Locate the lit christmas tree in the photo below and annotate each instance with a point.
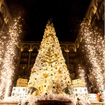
(49, 73)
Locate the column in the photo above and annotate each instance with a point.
(29, 58)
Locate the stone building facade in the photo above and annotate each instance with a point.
(5, 16)
(95, 15)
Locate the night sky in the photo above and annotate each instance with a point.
(66, 16)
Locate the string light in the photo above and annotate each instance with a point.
(95, 52)
(9, 65)
(2, 51)
(81, 72)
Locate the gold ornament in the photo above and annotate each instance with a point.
(35, 93)
(65, 66)
(45, 75)
(55, 55)
(39, 88)
(60, 71)
(44, 61)
(32, 72)
(57, 85)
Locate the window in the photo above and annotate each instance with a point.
(35, 50)
(71, 55)
(63, 50)
(24, 54)
(26, 49)
(33, 54)
(71, 50)
(32, 60)
(70, 60)
(24, 59)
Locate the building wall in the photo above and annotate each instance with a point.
(5, 16)
(29, 51)
(95, 15)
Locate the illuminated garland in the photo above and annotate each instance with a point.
(95, 52)
(9, 66)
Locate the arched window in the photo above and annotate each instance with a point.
(35, 50)
(71, 48)
(25, 52)
(26, 48)
(63, 48)
(3, 10)
(34, 54)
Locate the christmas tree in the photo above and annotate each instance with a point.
(49, 73)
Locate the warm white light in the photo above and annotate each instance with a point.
(8, 56)
(81, 72)
(94, 46)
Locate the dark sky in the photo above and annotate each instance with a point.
(66, 16)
